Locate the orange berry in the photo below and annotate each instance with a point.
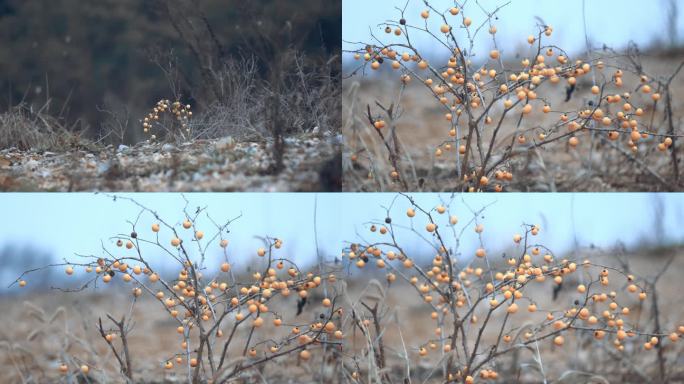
(513, 308)
(258, 322)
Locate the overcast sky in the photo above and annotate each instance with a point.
(69, 223)
(613, 22)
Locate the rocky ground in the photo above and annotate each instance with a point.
(311, 163)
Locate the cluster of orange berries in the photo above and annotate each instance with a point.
(180, 112)
(254, 299)
(107, 269)
(190, 299)
(600, 311)
(64, 369)
(459, 85)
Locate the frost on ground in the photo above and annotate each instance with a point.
(310, 163)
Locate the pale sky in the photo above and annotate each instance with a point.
(613, 22)
(600, 219)
(68, 223)
(64, 224)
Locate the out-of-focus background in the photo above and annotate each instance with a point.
(91, 57)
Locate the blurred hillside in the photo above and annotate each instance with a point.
(77, 59)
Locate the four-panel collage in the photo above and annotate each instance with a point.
(341, 191)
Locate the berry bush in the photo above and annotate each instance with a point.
(614, 118)
(422, 295)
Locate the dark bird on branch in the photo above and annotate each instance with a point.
(568, 92)
(300, 305)
(556, 290)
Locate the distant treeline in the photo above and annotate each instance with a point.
(89, 56)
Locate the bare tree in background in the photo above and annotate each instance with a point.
(672, 15)
(195, 31)
(659, 212)
(15, 257)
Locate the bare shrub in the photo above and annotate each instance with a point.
(311, 96)
(240, 109)
(21, 132)
(22, 129)
(307, 100)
